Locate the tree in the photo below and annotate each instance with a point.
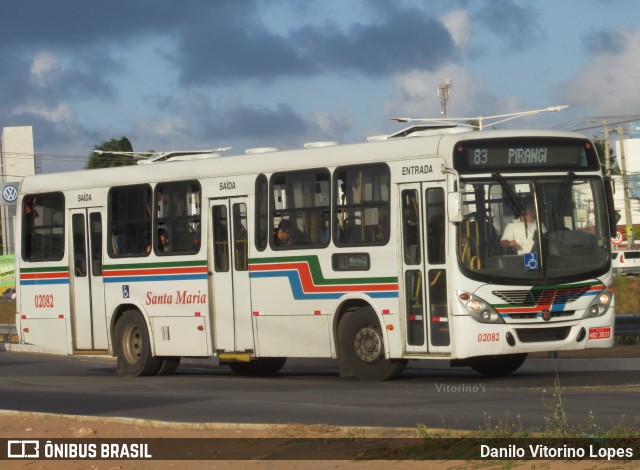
(475, 123)
(111, 153)
(599, 144)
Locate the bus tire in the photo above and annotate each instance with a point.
(362, 347)
(263, 366)
(133, 347)
(497, 366)
(169, 365)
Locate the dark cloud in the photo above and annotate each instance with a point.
(604, 42)
(81, 77)
(241, 48)
(517, 25)
(229, 122)
(77, 24)
(226, 40)
(262, 122)
(405, 39)
(234, 48)
(14, 85)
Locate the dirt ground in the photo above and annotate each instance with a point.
(251, 447)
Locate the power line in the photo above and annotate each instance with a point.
(596, 122)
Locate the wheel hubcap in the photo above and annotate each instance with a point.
(368, 344)
(132, 344)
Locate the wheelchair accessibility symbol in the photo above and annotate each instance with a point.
(531, 261)
(125, 291)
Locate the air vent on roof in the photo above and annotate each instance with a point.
(183, 155)
(315, 145)
(257, 150)
(423, 130)
(416, 131)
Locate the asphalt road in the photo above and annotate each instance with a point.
(310, 392)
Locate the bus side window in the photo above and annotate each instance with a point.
(262, 213)
(129, 217)
(300, 205)
(43, 237)
(361, 197)
(177, 220)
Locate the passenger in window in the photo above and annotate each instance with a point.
(196, 240)
(164, 245)
(283, 234)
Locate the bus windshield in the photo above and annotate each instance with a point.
(533, 230)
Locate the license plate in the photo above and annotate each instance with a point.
(600, 333)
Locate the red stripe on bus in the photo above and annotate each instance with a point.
(148, 271)
(52, 275)
(306, 280)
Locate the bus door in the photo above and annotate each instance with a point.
(424, 274)
(87, 289)
(228, 264)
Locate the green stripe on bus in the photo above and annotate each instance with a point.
(45, 269)
(168, 264)
(316, 271)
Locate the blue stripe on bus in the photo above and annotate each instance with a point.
(298, 293)
(177, 277)
(32, 282)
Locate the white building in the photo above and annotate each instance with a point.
(632, 163)
(16, 162)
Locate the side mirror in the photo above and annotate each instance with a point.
(454, 207)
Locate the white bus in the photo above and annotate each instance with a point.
(372, 254)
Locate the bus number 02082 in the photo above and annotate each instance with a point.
(486, 337)
(43, 301)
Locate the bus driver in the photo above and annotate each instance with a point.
(519, 233)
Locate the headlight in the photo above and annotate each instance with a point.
(479, 310)
(600, 304)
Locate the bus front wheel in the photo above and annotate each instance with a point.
(133, 348)
(362, 347)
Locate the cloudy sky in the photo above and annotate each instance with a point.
(198, 74)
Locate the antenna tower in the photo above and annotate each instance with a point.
(443, 92)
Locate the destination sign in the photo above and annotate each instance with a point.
(519, 155)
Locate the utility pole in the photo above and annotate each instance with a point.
(443, 92)
(607, 152)
(626, 190)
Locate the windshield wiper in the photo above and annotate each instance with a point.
(563, 197)
(516, 204)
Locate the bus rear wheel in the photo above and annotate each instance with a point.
(133, 347)
(362, 347)
(263, 366)
(497, 366)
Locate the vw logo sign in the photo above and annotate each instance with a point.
(10, 193)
